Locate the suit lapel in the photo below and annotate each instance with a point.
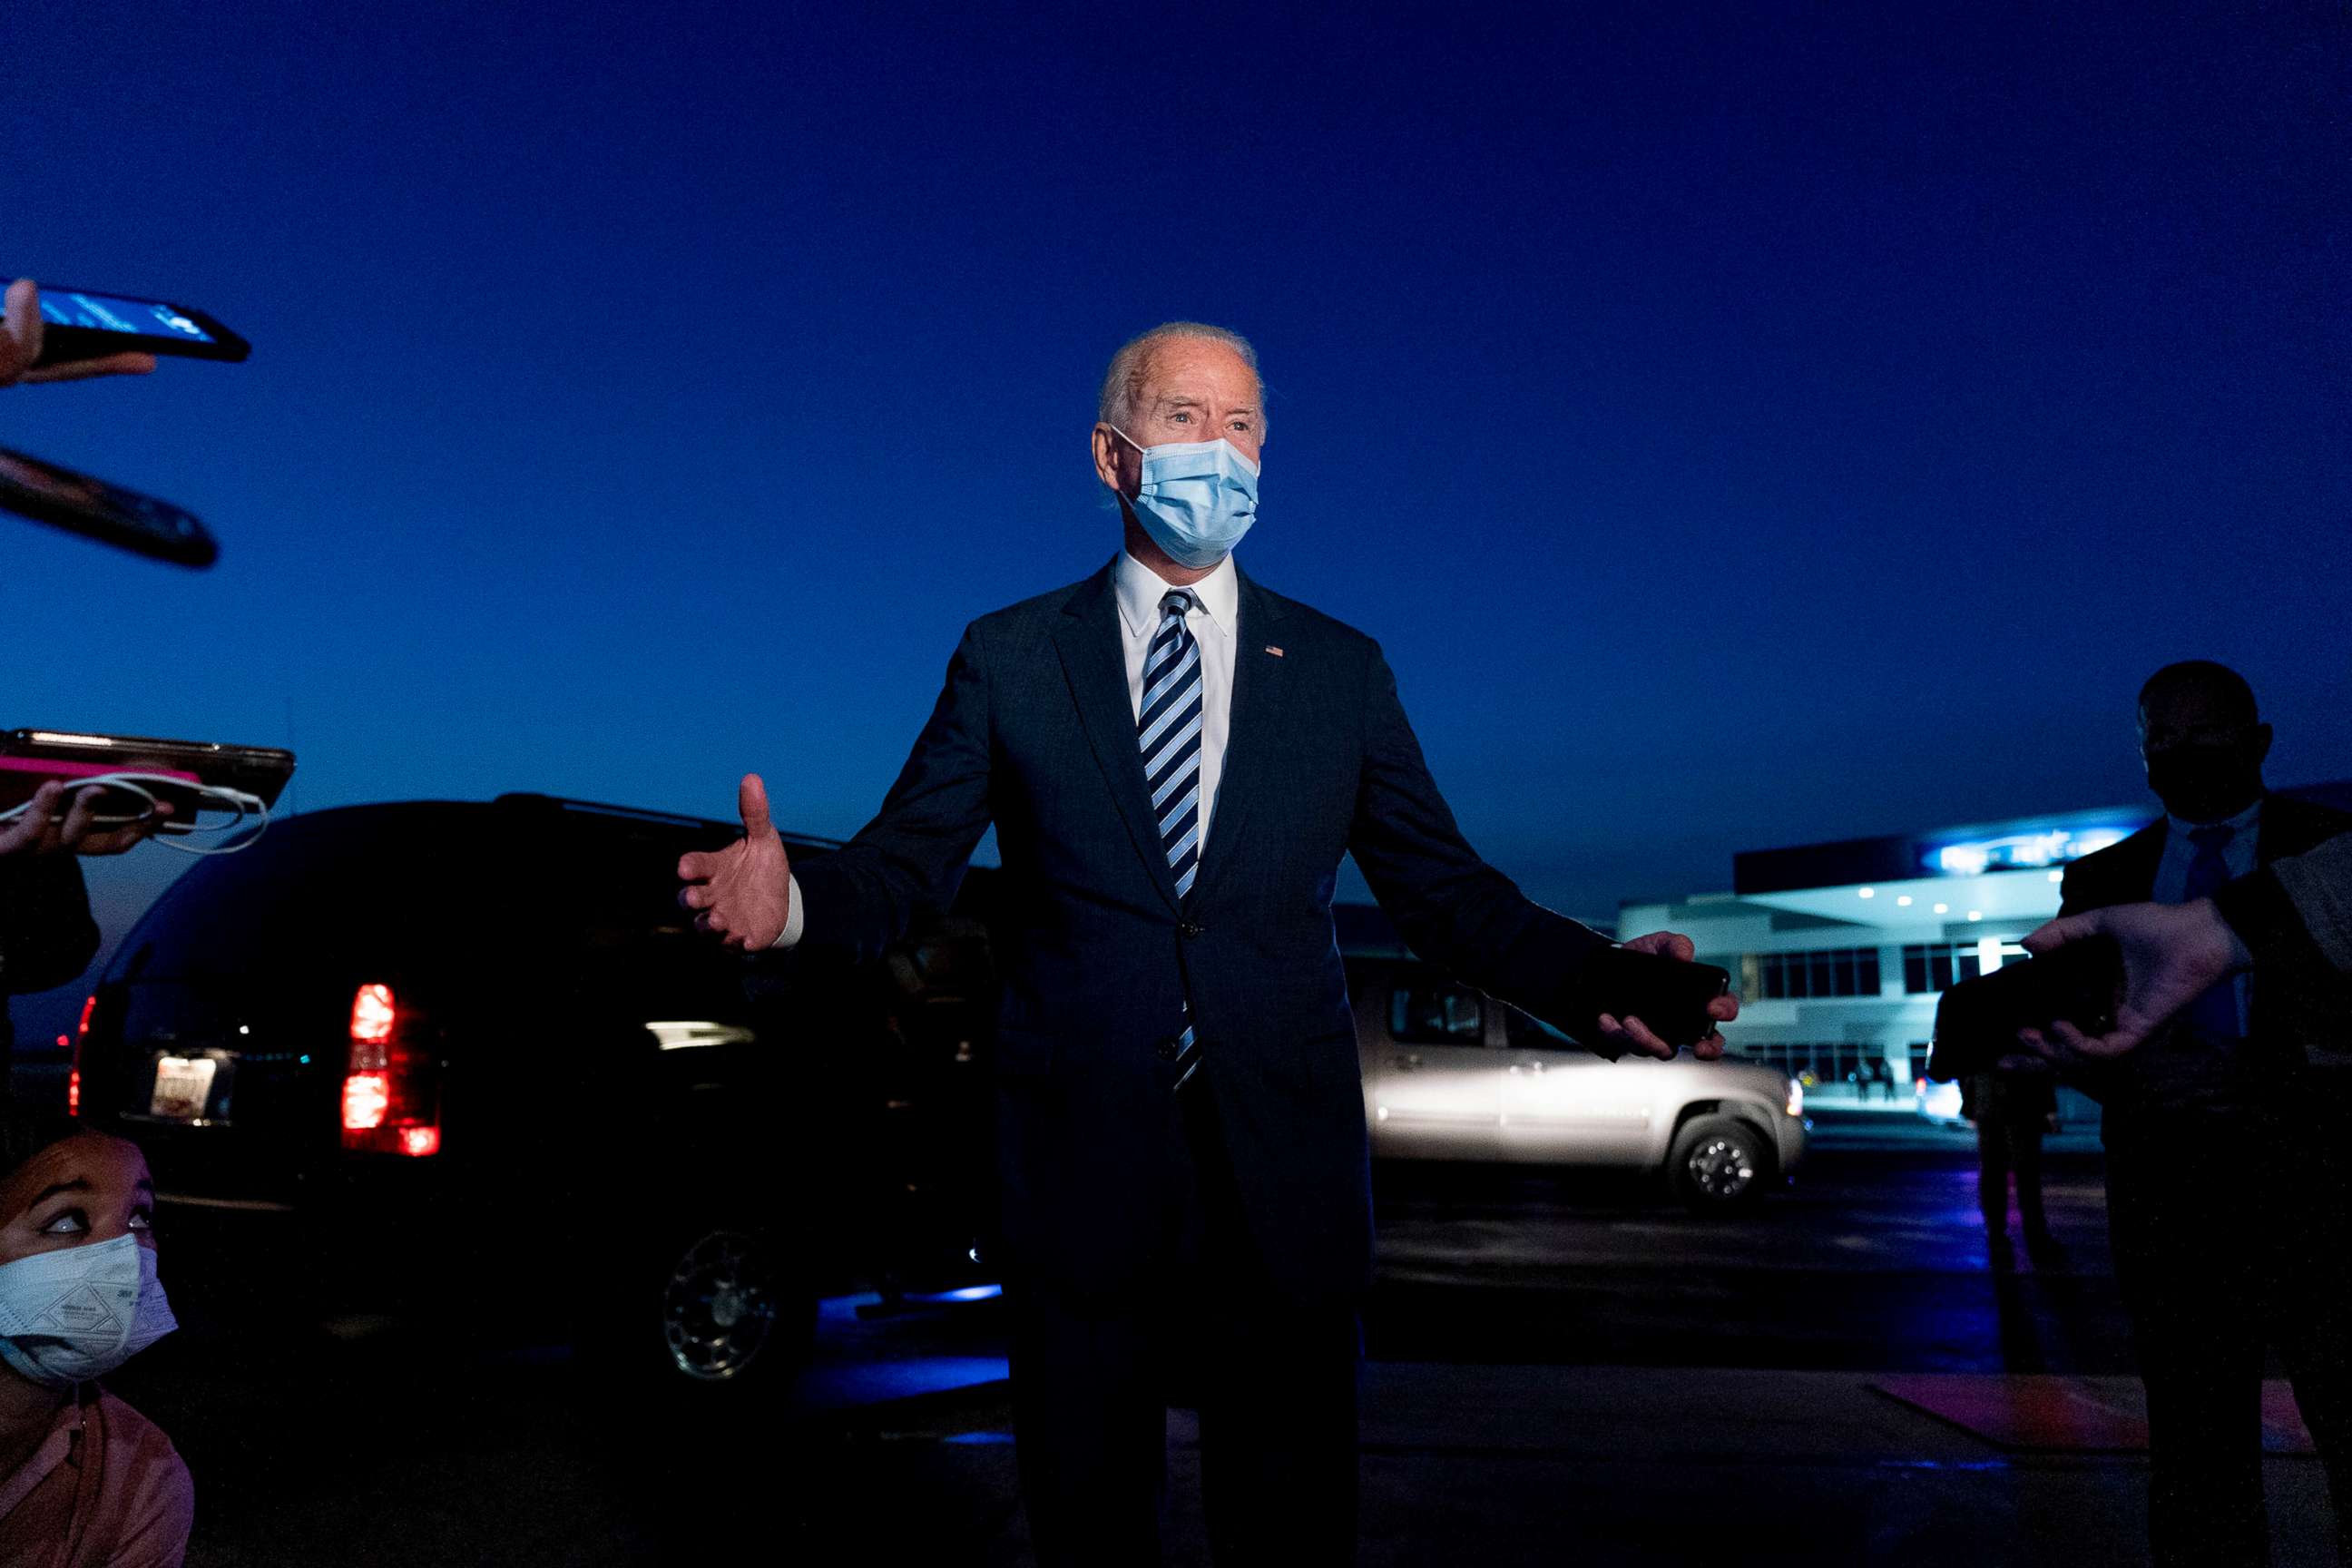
(2137, 860)
(1260, 689)
(1092, 660)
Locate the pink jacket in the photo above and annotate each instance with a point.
(105, 1486)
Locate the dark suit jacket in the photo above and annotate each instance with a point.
(2291, 1020)
(1035, 731)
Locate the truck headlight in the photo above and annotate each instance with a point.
(1796, 1098)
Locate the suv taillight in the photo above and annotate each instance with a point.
(73, 1078)
(392, 1102)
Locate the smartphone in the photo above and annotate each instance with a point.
(78, 503)
(82, 323)
(1669, 996)
(22, 777)
(68, 754)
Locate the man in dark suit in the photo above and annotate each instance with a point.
(2228, 1227)
(1175, 760)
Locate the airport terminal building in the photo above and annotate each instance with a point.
(1840, 951)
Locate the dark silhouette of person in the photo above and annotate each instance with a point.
(2011, 1106)
(2229, 1233)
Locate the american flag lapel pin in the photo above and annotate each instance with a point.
(1273, 650)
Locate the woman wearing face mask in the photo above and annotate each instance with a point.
(84, 1478)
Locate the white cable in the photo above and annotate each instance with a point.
(209, 797)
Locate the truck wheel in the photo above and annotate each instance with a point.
(733, 1307)
(1719, 1164)
(715, 1309)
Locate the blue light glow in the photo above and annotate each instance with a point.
(2022, 851)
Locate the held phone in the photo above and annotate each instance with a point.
(78, 503)
(1976, 1021)
(193, 775)
(82, 323)
(1669, 996)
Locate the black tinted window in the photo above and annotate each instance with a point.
(1436, 1015)
(336, 883)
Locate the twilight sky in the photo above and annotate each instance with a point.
(1741, 429)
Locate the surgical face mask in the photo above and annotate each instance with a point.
(2204, 782)
(80, 1311)
(1197, 498)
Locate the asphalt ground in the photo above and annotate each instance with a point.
(1562, 1370)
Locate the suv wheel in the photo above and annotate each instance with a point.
(731, 1308)
(1718, 1163)
(719, 1307)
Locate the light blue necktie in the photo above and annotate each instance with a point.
(1168, 730)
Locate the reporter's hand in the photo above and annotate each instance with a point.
(742, 893)
(2172, 954)
(1632, 1034)
(20, 346)
(40, 829)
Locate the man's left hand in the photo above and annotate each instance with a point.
(1632, 1034)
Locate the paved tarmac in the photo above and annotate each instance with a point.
(1561, 1372)
(1559, 1465)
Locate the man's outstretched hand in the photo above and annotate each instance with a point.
(1632, 1034)
(2172, 954)
(742, 893)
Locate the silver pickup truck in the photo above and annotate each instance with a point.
(1452, 1074)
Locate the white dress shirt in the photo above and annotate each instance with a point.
(1214, 621)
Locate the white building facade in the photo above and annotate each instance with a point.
(1839, 952)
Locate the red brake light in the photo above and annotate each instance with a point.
(73, 1078)
(367, 1099)
(374, 1016)
(392, 1100)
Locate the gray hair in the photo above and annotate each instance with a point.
(1123, 382)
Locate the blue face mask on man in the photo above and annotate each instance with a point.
(1197, 498)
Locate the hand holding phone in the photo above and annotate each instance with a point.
(61, 333)
(1978, 1021)
(21, 343)
(1674, 998)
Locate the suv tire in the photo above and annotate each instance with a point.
(719, 1310)
(1719, 1164)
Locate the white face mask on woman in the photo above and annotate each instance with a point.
(78, 1312)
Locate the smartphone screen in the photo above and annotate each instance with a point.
(113, 313)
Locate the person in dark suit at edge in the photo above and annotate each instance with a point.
(1175, 758)
(2228, 1230)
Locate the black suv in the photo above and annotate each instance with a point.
(476, 1053)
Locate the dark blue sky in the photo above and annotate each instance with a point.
(1741, 428)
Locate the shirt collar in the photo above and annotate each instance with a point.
(2239, 826)
(1141, 590)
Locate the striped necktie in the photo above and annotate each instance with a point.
(1168, 728)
